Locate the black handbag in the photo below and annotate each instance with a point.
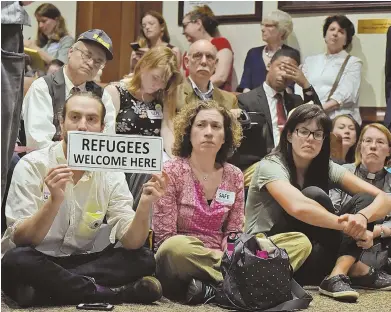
(254, 143)
(253, 283)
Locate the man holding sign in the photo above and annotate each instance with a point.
(54, 215)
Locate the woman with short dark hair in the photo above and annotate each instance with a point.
(53, 40)
(203, 205)
(289, 192)
(322, 70)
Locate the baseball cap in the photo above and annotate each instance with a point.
(100, 37)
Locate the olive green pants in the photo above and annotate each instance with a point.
(181, 258)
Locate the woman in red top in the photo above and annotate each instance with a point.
(201, 24)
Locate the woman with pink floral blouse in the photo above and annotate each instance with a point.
(203, 204)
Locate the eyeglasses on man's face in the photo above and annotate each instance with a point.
(305, 133)
(198, 56)
(100, 64)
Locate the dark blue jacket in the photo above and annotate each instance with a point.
(254, 72)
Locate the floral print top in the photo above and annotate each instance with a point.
(137, 117)
(184, 209)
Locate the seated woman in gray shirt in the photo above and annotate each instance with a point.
(371, 157)
(289, 192)
(53, 40)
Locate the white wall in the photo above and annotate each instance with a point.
(307, 37)
(67, 9)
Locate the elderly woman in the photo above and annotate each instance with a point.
(372, 155)
(289, 192)
(203, 205)
(201, 23)
(53, 40)
(338, 96)
(153, 33)
(349, 130)
(276, 27)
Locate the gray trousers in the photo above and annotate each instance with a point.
(12, 75)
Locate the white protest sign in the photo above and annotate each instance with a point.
(93, 151)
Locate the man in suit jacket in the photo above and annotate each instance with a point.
(387, 118)
(201, 61)
(283, 70)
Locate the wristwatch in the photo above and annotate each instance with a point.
(308, 89)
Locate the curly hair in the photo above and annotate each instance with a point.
(183, 123)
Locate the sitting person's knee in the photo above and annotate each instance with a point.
(17, 257)
(314, 192)
(363, 199)
(175, 247)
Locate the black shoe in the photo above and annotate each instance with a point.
(199, 292)
(379, 280)
(145, 290)
(338, 287)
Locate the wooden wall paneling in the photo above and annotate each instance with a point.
(120, 20)
(128, 35)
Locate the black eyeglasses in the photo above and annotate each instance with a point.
(305, 133)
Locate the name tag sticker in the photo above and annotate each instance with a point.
(225, 197)
(154, 114)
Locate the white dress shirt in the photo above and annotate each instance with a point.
(270, 95)
(37, 113)
(79, 219)
(321, 71)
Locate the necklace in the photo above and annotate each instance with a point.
(267, 52)
(203, 175)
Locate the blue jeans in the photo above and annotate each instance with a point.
(12, 75)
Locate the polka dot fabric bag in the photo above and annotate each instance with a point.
(257, 281)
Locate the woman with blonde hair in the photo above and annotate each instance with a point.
(53, 40)
(145, 102)
(372, 157)
(153, 33)
(276, 28)
(201, 23)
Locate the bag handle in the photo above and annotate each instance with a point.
(336, 82)
(302, 301)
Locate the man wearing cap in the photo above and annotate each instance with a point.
(46, 96)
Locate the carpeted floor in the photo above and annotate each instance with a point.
(368, 301)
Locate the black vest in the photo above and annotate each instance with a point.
(56, 86)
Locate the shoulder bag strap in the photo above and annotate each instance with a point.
(336, 82)
(301, 300)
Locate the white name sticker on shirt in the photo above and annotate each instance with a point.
(154, 114)
(225, 197)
